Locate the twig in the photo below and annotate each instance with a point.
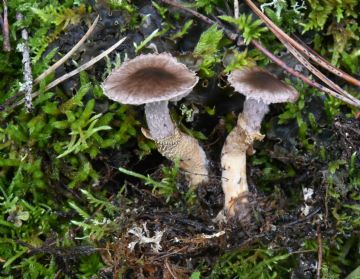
(307, 51)
(28, 80)
(308, 217)
(234, 37)
(297, 74)
(172, 253)
(317, 73)
(66, 57)
(336, 71)
(236, 8)
(11, 100)
(76, 71)
(320, 252)
(84, 66)
(169, 269)
(297, 54)
(58, 274)
(195, 13)
(5, 29)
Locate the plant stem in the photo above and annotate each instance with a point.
(5, 29)
(28, 79)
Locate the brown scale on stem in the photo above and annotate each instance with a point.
(180, 146)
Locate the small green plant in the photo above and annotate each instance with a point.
(208, 49)
(305, 120)
(250, 29)
(166, 187)
(320, 11)
(343, 181)
(207, 5)
(259, 263)
(52, 16)
(184, 30)
(147, 40)
(239, 60)
(121, 5)
(195, 275)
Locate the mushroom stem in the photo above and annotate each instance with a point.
(253, 114)
(233, 156)
(175, 145)
(158, 120)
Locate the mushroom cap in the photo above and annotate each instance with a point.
(149, 78)
(259, 84)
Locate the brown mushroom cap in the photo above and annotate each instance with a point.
(257, 83)
(149, 78)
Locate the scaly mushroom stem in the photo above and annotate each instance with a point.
(174, 145)
(233, 156)
(187, 149)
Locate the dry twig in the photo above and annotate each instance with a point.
(84, 66)
(27, 85)
(76, 71)
(305, 50)
(302, 220)
(169, 269)
(5, 29)
(297, 74)
(319, 74)
(236, 8)
(320, 252)
(68, 55)
(297, 50)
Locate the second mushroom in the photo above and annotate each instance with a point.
(154, 80)
(260, 88)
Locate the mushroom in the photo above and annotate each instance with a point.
(260, 88)
(154, 80)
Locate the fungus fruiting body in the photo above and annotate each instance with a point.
(154, 80)
(260, 89)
